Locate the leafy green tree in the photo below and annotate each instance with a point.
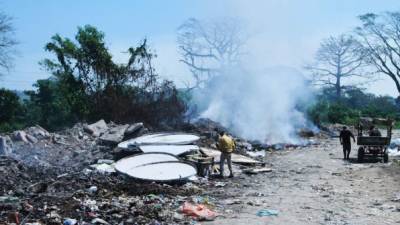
(88, 85)
(354, 103)
(52, 106)
(11, 110)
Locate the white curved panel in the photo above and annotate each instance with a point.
(161, 139)
(171, 149)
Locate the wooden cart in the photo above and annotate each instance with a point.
(373, 146)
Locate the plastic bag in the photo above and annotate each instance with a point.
(199, 212)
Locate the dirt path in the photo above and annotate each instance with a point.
(314, 186)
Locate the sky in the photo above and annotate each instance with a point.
(281, 32)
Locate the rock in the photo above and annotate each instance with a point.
(114, 136)
(5, 145)
(96, 129)
(31, 139)
(20, 135)
(133, 128)
(38, 132)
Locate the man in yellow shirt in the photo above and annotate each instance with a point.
(226, 145)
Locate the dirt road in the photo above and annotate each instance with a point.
(314, 186)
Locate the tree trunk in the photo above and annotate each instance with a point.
(397, 82)
(338, 88)
(338, 85)
(395, 79)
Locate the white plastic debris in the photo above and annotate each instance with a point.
(161, 139)
(171, 149)
(393, 151)
(160, 167)
(103, 168)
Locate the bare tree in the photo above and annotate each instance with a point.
(7, 41)
(208, 47)
(380, 37)
(337, 60)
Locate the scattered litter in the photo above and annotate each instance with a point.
(198, 212)
(393, 151)
(257, 170)
(396, 197)
(267, 212)
(220, 184)
(103, 168)
(395, 143)
(69, 221)
(233, 202)
(99, 221)
(256, 153)
(92, 189)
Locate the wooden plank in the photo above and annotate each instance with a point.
(236, 158)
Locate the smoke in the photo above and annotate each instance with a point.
(257, 105)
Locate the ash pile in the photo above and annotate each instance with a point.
(116, 174)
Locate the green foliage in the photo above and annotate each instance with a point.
(11, 110)
(54, 105)
(354, 103)
(88, 85)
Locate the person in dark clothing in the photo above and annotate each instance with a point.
(374, 132)
(345, 136)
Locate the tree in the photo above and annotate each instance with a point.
(88, 85)
(7, 41)
(11, 110)
(337, 59)
(380, 38)
(209, 47)
(9, 105)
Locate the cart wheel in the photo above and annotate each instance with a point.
(386, 157)
(360, 156)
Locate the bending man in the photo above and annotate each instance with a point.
(226, 145)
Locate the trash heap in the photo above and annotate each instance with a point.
(107, 173)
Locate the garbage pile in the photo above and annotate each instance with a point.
(107, 173)
(76, 147)
(31, 195)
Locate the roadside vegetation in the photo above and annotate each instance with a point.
(350, 106)
(86, 84)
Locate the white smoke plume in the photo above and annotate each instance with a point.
(257, 105)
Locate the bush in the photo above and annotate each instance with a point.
(87, 85)
(11, 110)
(354, 103)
